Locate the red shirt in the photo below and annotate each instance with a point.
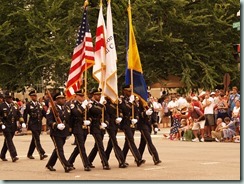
(197, 104)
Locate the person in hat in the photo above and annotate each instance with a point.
(59, 131)
(197, 117)
(112, 130)
(99, 121)
(147, 118)
(79, 127)
(196, 103)
(9, 115)
(127, 107)
(33, 114)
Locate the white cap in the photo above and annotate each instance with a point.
(202, 93)
(212, 93)
(194, 98)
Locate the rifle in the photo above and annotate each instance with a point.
(54, 110)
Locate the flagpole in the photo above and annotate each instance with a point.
(131, 70)
(116, 101)
(85, 81)
(102, 74)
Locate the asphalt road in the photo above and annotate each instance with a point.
(180, 161)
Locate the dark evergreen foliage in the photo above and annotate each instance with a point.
(188, 38)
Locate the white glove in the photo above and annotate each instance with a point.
(84, 104)
(134, 121)
(102, 100)
(87, 122)
(3, 127)
(68, 137)
(118, 120)
(89, 105)
(23, 125)
(149, 112)
(61, 126)
(156, 129)
(132, 98)
(104, 125)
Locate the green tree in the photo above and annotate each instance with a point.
(188, 38)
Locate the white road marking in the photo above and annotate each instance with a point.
(154, 168)
(209, 163)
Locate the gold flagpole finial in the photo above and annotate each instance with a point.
(101, 2)
(86, 3)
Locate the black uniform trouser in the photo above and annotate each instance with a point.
(8, 145)
(80, 140)
(130, 143)
(35, 143)
(147, 140)
(58, 152)
(98, 147)
(113, 143)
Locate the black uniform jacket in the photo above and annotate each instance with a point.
(76, 117)
(51, 122)
(126, 111)
(145, 119)
(36, 113)
(9, 115)
(95, 116)
(111, 110)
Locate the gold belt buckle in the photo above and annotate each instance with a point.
(84, 126)
(132, 126)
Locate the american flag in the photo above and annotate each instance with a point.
(82, 58)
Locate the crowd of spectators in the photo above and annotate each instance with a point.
(209, 116)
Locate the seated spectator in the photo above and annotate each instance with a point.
(229, 130)
(188, 135)
(217, 134)
(183, 128)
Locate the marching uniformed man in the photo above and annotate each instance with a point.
(79, 127)
(112, 129)
(129, 114)
(147, 118)
(59, 130)
(35, 112)
(9, 115)
(99, 121)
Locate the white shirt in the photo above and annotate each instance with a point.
(59, 106)
(209, 109)
(173, 104)
(157, 106)
(8, 104)
(182, 102)
(236, 111)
